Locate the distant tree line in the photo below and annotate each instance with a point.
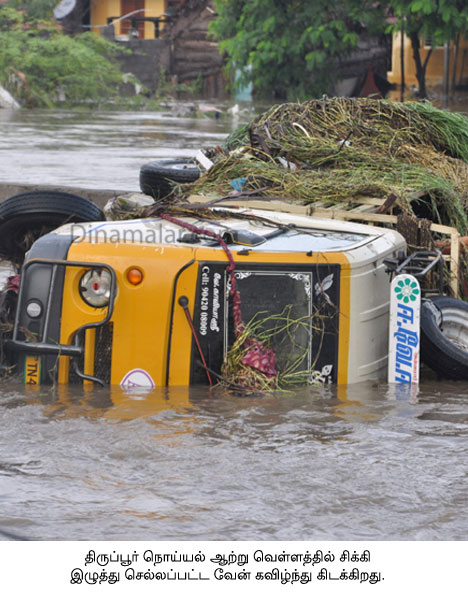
(287, 49)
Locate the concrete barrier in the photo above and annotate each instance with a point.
(99, 197)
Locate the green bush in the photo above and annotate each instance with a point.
(43, 67)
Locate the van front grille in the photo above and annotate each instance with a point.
(103, 352)
(102, 356)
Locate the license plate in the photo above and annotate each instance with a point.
(32, 370)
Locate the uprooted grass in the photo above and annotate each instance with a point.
(340, 150)
(368, 123)
(275, 332)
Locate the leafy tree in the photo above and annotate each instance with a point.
(41, 66)
(437, 20)
(289, 47)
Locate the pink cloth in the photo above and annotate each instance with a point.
(13, 283)
(258, 357)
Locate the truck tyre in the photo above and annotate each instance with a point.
(157, 178)
(444, 336)
(26, 217)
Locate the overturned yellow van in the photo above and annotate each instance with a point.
(149, 302)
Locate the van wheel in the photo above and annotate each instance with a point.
(26, 217)
(444, 336)
(157, 178)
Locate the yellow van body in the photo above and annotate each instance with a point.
(143, 336)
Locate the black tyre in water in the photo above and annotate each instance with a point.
(157, 178)
(26, 217)
(444, 336)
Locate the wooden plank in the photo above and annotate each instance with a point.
(367, 201)
(274, 205)
(365, 208)
(350, 215)
(443, 229)
(454, 261)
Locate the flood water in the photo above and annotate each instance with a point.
(362, 462)
(102, 150)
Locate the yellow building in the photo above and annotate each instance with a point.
(435, 66)
(103, 10)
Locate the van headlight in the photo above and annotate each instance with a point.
(95, 287)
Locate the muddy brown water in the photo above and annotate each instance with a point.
(368, 461)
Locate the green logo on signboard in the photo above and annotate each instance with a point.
(407, 290)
